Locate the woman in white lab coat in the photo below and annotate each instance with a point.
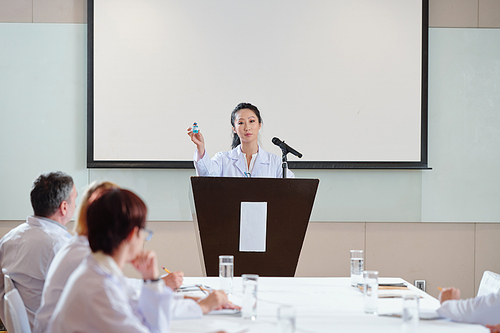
(97, 296)
(67, 259)
(247, 159)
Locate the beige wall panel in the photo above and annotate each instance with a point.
(440, 253)
(453, 13)
(487, 250)
(16, 11)
(174, 243)
(326, 247)
(6, 226)
(60, 11)
(489, 14)
(175, 246)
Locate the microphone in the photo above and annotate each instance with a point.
(285, 147)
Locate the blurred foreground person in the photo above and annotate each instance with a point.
(97, 296)
(484, 309)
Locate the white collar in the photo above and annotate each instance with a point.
(252, 162)
(107, 263)
(262, 155)
(46, 219)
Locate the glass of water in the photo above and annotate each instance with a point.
(286, 319)
(357, 267)
(226, 272)
(249, 306)
(370, 290)
(411, 313)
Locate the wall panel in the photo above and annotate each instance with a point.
(441, 253)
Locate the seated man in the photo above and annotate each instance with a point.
(97, 296)
(27, 250)
(484, 309)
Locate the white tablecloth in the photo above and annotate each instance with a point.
(322, 305)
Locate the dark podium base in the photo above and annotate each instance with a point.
(218, 203)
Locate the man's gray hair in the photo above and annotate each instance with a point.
(49, 190)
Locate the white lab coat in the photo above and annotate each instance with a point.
(97, 298)
(26, 252)
(233, 164)
(484, 310)
(64, 264)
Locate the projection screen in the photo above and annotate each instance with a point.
(344, 82)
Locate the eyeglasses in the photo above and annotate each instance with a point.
(146, 234)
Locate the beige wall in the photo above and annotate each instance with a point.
(464, 13)
(442, 13)
(441, 253)
(444, 254)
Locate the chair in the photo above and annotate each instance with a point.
(490, 283)
(8, 284)
(16, 318)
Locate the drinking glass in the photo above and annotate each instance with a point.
(286, 319)
(226, 265)
(370, 290)
(357, 267)
(411, 313)
(249, 306)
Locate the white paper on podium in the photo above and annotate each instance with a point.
(253, 226)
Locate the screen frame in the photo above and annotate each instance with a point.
(135, 164)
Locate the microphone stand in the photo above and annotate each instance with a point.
(284, 164)
(285, 149)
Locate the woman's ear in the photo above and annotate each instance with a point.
(234, 131)
(132, 234)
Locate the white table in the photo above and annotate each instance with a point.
(322, 305)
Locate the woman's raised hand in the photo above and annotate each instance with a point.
(147, 264)
(198, 140)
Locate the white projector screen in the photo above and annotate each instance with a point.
(344, 82)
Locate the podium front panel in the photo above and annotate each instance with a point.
(218, 204)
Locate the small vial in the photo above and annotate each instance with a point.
(195, 128)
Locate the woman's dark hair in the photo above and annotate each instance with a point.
(241, 106)
(111, 216)
(49, 190)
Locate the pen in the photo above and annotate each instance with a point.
(205, 291)
(208, 291)
(166, 270)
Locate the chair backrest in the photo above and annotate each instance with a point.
(16, 318)
(8, 284)
(490, 283)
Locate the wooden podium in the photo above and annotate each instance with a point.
(217, 203)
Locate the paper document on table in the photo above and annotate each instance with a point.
(253, 226)
(396, 293)
(225, 312)
(424, 314)
(194, 288)
(388, 286)
(393, 290)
